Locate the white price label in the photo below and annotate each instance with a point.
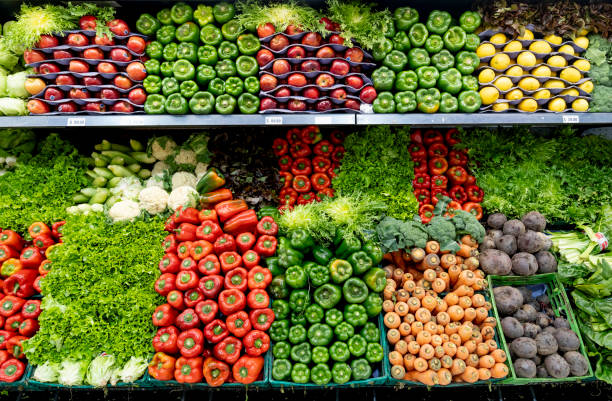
(136, 121)
(571, 119)
(75, 122)
(274, 120)
(323, 120)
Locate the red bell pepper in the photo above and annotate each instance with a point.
(228, 350)
(324, 193)
(457, 193)
(170, 224)
(166, 340)
(301, 166)
(6, 252)
(209, 265)
(471, 180)
(183, 250)
(45, 267)
(28, 327)
(186, 215)
(186, 232)
(164, 315)
(320, 181)
(38, 228)
(437, 194)
(175, 299)
(188, 370)
(288, 197)
(280, 147)
(211, 285)
(231, 301)
(420, 166)
(426, 213)
(4, 356)
(162, 366)
(437, 166)
(258, 299)
(36, 284)
(261, 319)
(57, 229)
(12, 239)
(188, 319)
(416, 136)
(457, 158)
(267, 226)
(225, 243)
(285, 179)
(437, 149)
(215, 331)
(285, 162)
(259, 278)
(5, 335)
(306, 198)
(189, 264)
(423, 196)
(170, 263)
(21, 283)
(454, 205)
(12, 323)
(165, 283)
(338, 154)
(250, 259)
(236, 279)
(207, 311)
(457, 175)
(228, 209)
(14, 346)
(192, 297)
(256, 343)
(31, 309)
(238, 323)
(229, 261)
(474, 193)
(299, 149)
(311, 134)
(245, 241)
(421, 181)
(208, 231)
(432, 136)
(293, 135)
(43, 241)
(215, 372)
(417, 151)
(11, 370)
(439, 181)
(170, 244)
(208, 215)
(186, 280)
(452, 137)
(337, 137)
(200, 249)
(191, 342)
(11, 305)
(474, 208)
(301, 184)
(324, 148)
(321, 164)
(266, 246)
(243, 222)
(211, 198)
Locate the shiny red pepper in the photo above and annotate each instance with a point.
(337, 137)
(258, 299)
(452, 137)
(14, 346)
(175, 299)
(186, 232)
(243, 222)
(207, 310)
(228, 209)
(245, 241)
(228, 350)
(38, 228)
(170, 243)
(229, 261)
(256, 343)
(186, 280)
(238, 323)
(426, 213)
(311, 134)
(306, 198)
(457, 158)
(30, 257)
(437, 149)
(189, 264)
(5, 335)
(471, 180)
(11, 370)
(200, 249)
(28, 327)
(225, 243)
(299, 149)
(423, 196)
(4, 356)
(321, 164)
(231, 301)
(191, 343)
(21, 283)
(333, 171)
(170, 263)
(457, 175)
(417, 151)
(43, 242)
(320, 181)
(12, 239)
(284, 163)
(187, 215)
(437, 166)
(208, 215)
(187, 319)
(183, 249)
(288, 197)
(250, 259)
(416, 136)
(293, 135)
(215, 331)
(474, 193)
(189, 370)
(301, 184)
(432, 136)
(439, 181)
(437, 194)
(12, 323)
(267, 226)
(165, 340)
(453, 205)
(45, 267)
(420, 166)
(164, 315)
(324, 193)
(280, 147)
(37, 284)
(208, 231)
(31, 309)
(192, 297)
(474, 208)
(261, 319)
(259, 278)
(236, 279)
(11, 305)
(165, 283)
(324, 148)
(6, 252)
(266, 246)
(338, 154)
(301, 166)
(285, 179)
(209, 265)
(211, 286)
(170, 224)
(56, 229)
(421, 181)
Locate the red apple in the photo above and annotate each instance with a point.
(47, 41)
(120, 55)
(106, 68)
(329, 25)
(122, 82)
(312, 39)
(48, 68)
(104, 41)
(354, 81)
(338, 94)
(77, 39)
(266, 29)
(65, 80)
(354, 54)
(267, 82)
(325, 80)
(60, 54)
(53, 94)
(122, 107)
(136, 71)
(88, 23)
(283, 92)
(95, 106)
(336, 39)
(119, 27)
(296, 52)
(136, 44)
(78, 66)
(92, 81)
(340, 67)
(264, 56)
(325, 52)
(278, 42)
(267, 104)
(310, 65)
(368, 94)
(109, 94)
(137, 96)
(33, 56)
(297, 105)
(36, 106)
(352, 104)
(297, 79)
(311, 93)
(69, 107)
(292, 30)
(324, 105)
(79, 93)
(93, 54)
(281, 67)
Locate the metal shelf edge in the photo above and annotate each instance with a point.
(485, 119)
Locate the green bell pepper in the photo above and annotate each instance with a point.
(155, 50)
(320, 374)
(181, 13)
(450, 81)
(251, 84)
(428, 100)
(472, 41)
(405, 18)
(384, 103)
(278, 287)
(170, 52)
(296, 277)
(211, 35)
(322, 255)
(355, 290)
(360, 261)
(361, 368)
(207, 54)
(349, 244)
(381, 49)
(167, 68)
(155, 104)
(418, 58)
(183, 70)
(165, 34)
(205, 74)
(188, 32)
(333, 317)
(383, 79)
(320, 354)
(443, 60)
(203, 15)
(418, 35)
(407, 81)
(448, 103)
(370, 332)
(438, 21)
(300, 239)
(170, 85)
(469, 21)
(271, 263)
(340, 270)
(298, 318)
(188, 89)
(281, 308)
(164, 16)
(289, 257)
(227, 50)
(341, 373)
(300, 373)
(374, 352)
(152, 84)
(248, 44)
(357, 345)
(187, 51)
(373, 251)
(301, 352)
(297, 335)
(231, 30)
(434, 44)
(234, 86)
(454, 39)
(225, 69)
(355, 314)
(217, 88)
(176, 104)
(248, 103)
(281, 350)
(314, 314)
(339, 351)
(401, 41)
(279, 330)
(428, 76)
(396, 60)
(469, 101)
(375, 278)
(373, 304)
(405, 101)
(467, 62)
(152, 67)
(318, 275)
(344, 331)
(388, 27)
(281, 369)
(328, 295)
(225, 104)
(147, 24)
(299, 300)
(223, 12)
(247, 66)
(469, 83)
(320, 334)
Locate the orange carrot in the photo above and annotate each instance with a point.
(395, 358)
(450, 348)
(458, 366)
(392, 320)
(398, 372)
(468, 240)
(472, 263)
(453, 273)
(401, 308)
(431, 261)
(470, 375)
(416, 327)
(484, 374)
(409, 361)
(420, 364)
(466, 277)
(446, 361)
(499, 371)
(401, 346)
(499, 355)
(444, 377)
(388, 305)
(432, 247)
(448, 260)
(465, 251)
(402, 295)
(417, 254)
(393, 336)
(426, 351)
(486, 361)
(472, 360)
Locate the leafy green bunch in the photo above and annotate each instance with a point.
(253, 14)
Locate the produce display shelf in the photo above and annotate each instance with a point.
(485, 119)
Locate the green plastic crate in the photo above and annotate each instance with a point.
(560, 305)
(379, 380)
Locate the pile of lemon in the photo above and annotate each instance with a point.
(554, 77)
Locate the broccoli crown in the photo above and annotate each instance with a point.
(395, 234)
(466, 223)
(442, 230)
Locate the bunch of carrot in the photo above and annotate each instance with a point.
(439, 339)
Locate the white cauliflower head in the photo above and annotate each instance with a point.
(159, 168)
(201, 169)
(185, 157)
(183, 196)
(162, 147)
(128, 188)
(155, 181)
(124, 211)
(183, 178)
(153, 199)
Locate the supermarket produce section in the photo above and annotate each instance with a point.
(412, 200)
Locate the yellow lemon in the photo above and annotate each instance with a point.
(554, 39)
(489, 95)
(503, 83)
(513, 46)
(540, 46)
(529, 105)
(567, 49)
(557, 104)
(485, 50)
(557, 61)
(582, 41)
(554, 83)
(582, 65)
(526, 59)
(498, 39)
(527, 35)
(570, 74)
(580, 105)
(500, 61)
(587, 86)
(542, 94)
(501, 106)
(485, 76)
(541, 71)
(514, 94)
(515, 71)
(570, 92)
(529, 84)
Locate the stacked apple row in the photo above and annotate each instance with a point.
(88, 74)
(304, 72)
